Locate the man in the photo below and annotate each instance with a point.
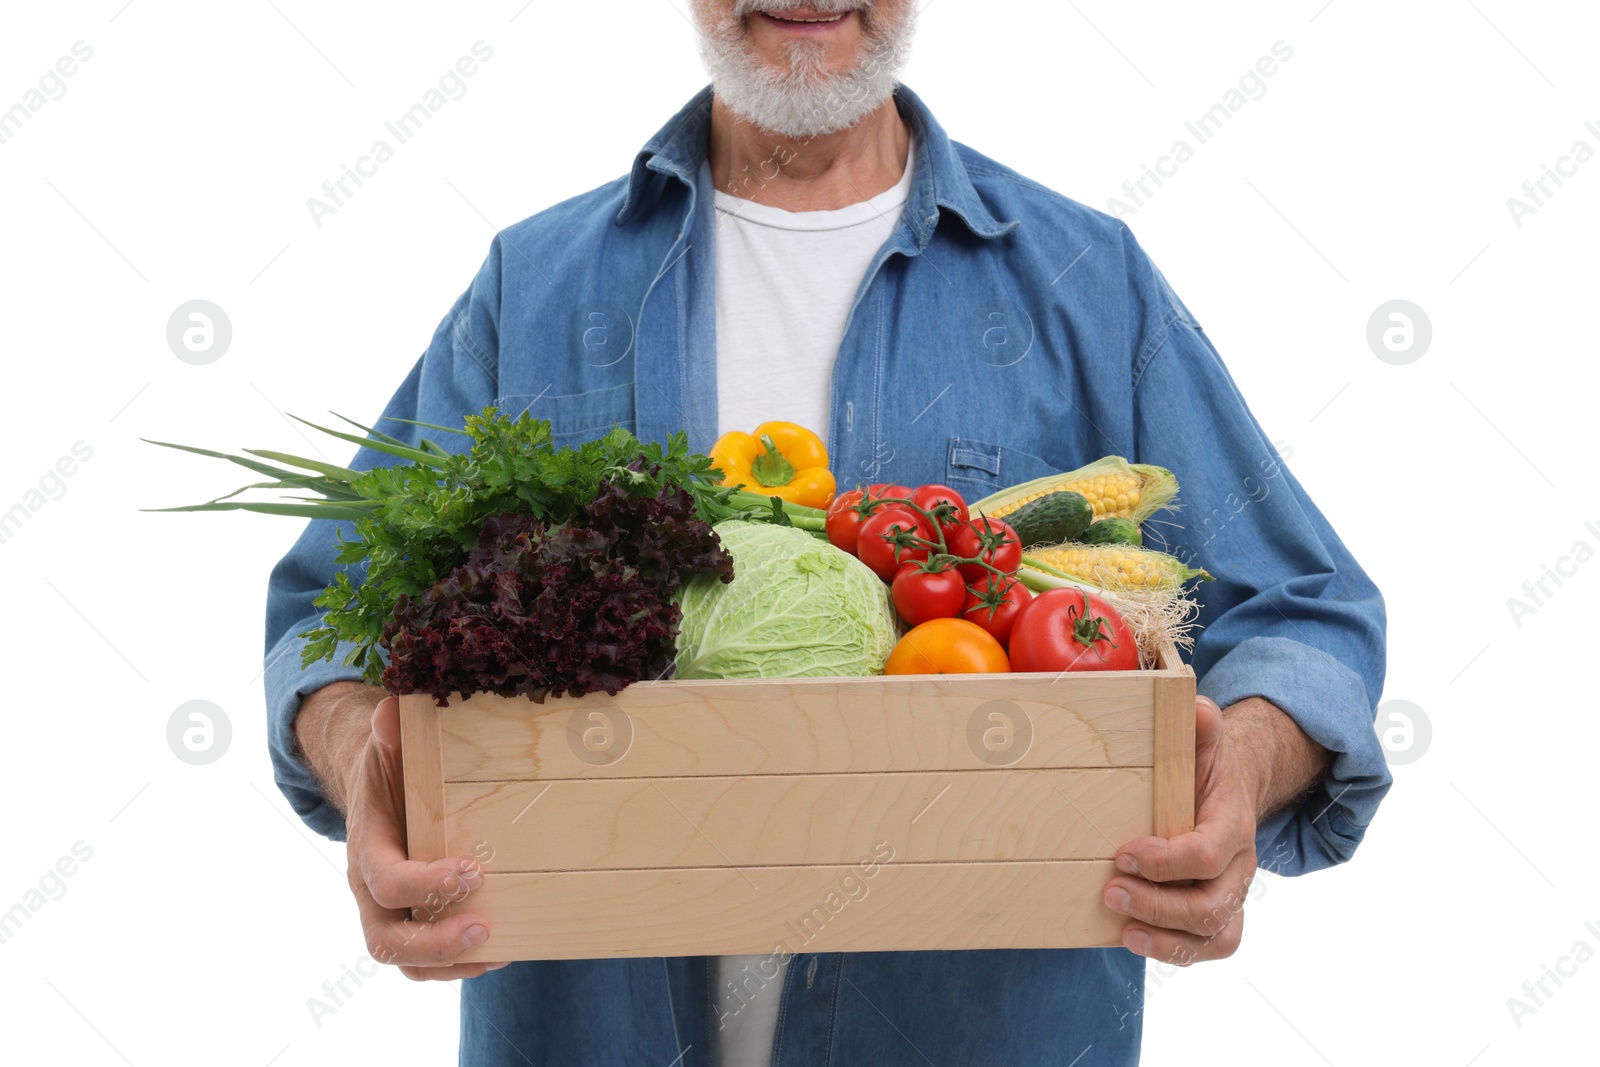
(805, 243)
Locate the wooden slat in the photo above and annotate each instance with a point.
(600, 914)
(1173, 796)
(802, 819)
(421, 757)
(1170, 660)
(802, 726)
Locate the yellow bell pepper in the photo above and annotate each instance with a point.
(780, 459)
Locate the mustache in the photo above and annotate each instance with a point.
(741, 8)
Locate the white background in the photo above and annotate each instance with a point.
(1378, 166)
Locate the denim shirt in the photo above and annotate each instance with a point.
(1003, 332)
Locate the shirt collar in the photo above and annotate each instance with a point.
(939, 180)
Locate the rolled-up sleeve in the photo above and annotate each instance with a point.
(1291, 616)
(455, 377)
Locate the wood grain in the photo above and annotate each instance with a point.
(1173, 797)
(802, 819)
(802, 725)
(693, 818)
(696, 911)
(422, 761)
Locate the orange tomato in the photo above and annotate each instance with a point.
(947, 646)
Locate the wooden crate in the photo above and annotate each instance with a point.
(818, 814)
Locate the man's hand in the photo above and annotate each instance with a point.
(1249, 762)
(350, 735)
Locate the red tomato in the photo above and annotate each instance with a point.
(995, 605)
(990, 540)
(1072, 630)
(889, 489)
(886, 540)
(946, 504)
(844, 521)
(846, 513)
(845, 500)
(920, 595)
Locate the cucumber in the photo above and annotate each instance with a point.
(1113, 532)
(1052, 519)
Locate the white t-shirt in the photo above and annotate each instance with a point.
(785, 283)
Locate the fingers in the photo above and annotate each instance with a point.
(1207, 725)
(411, 943)
(377, 859)
(387, 885)
(386, 897)
(450, 974)
(1187, 923)
(1225, 821)
(1204, 909)
(1182, 949)
(393, 937)
(386, 723)
(399, 883)
(1225, 827)
(1200, 855)
(435, 943)
(377, 855)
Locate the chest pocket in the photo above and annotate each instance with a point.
(576, 417)
(979, 468)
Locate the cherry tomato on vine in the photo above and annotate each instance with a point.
(920, 594)
(1072, 630)
(849, 498)
(994, 604)
(844, 521)
(946, 504)
(890, 538)
(990, 540)
(846, 513)
(889, 489)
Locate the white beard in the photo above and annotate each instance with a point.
(804, 101)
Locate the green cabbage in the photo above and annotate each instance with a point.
(797, 607)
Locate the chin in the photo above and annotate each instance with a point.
(807, 93)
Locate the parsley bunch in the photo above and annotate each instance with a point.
(417, 522)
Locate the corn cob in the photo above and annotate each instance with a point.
(1116, 568)
(1115, 488)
